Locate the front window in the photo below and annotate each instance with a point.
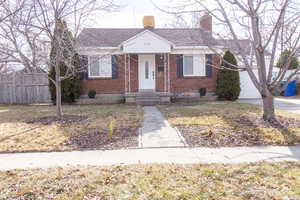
(100, 66)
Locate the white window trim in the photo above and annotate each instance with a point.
(194, 69)
(89, 68)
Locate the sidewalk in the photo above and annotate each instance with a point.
(152, 155)
(291, 104)
(157, 132)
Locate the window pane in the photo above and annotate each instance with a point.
(199, 65)
(94, 66)
(188, 65)
(105, 66)
(147, 70)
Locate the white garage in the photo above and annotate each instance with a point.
(248, 90)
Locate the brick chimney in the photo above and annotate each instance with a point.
(149, 22)
(206, 22)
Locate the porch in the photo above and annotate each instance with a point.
(147, 68)
(147, 78)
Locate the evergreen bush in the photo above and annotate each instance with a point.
(228, 79)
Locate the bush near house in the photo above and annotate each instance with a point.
(228, 80)
(92, 94)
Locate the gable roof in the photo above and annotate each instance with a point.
(113, 37)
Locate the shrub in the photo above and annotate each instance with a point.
(294, 64)
(92, 94)
(202, 92)
(228, 80)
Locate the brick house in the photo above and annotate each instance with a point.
(149, 64)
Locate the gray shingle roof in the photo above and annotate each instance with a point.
(232, 46)
(113, 37)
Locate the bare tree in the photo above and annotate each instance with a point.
(27, 35)
(4, 4)
(21, 41)
(270, 26)
(50, 13)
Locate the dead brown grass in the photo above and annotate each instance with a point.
(18, 136)
(255, 181)
(230, 124)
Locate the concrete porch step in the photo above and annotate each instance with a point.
(147, 103)
(147, 100)
(147, 97)
(147, 94)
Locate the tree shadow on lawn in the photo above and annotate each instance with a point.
(225, 129)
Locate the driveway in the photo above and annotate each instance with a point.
(291, 104)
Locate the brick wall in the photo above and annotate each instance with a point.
(178, 85)
(134, 73)
(192, 84)
(107, 85)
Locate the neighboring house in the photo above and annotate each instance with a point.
(149, 64)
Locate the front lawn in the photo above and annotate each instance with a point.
(215, 124)
(168, 182)
(31, 128)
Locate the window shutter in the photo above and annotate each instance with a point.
(179, 62)
(208, 64)
(84, 67)
(114, 65)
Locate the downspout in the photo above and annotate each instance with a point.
(165, 73)
(129, 73)
(125, 60)
(169, 80)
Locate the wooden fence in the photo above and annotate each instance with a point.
(24, 88)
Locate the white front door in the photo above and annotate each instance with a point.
(147, 72)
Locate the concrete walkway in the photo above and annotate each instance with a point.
(151, 155)
(157, 132)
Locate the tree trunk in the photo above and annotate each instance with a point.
(268, 108)
(58, 100)
(58, 93)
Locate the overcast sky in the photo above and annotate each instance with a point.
(131, 15)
